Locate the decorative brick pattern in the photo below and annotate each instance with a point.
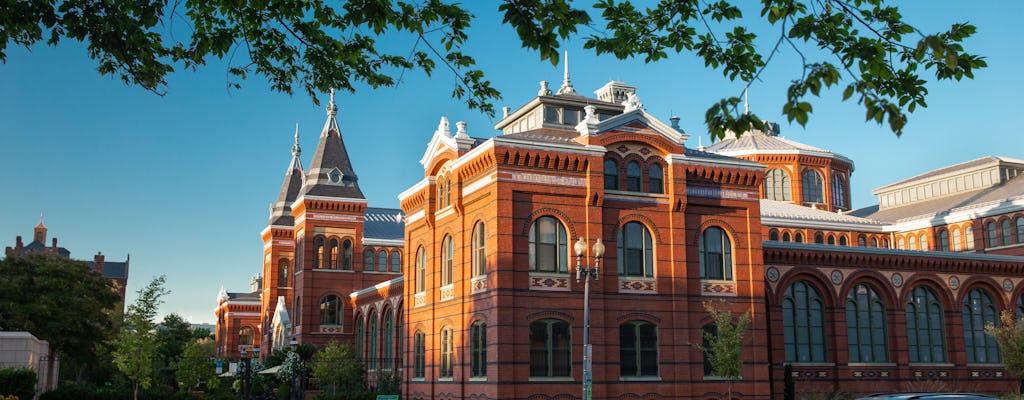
(420, 299)
(447, 292)
(718, 288)
(330, 328)
(987, 374)
(931, 374)
(479, 284)
(870, 374)
(638, 286)
(541, 282)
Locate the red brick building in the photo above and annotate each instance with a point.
(487, 304)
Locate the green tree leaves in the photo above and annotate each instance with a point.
(136, 346)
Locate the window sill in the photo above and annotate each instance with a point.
(942, 364)
(478, 379)
(871, 364)
(447, 379)
(639, 379)
(333, 271)
(551, 379)
(986, 365)
(419, 379)
(812, 364)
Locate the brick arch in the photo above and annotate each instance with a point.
(474, 318)
(876, 280)
(934, 283)
(812, 276)
(719, 223)
(558, 214)
(985, 283)
(643, 219)
(549, 314)
(638, 316)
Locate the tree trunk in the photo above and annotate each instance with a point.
(136, 391)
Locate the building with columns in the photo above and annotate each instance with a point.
(484, 300)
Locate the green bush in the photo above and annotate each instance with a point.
(86, 391)
(20, 382)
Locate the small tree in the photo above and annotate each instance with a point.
(135, 347)
(196, 365)
(724, 348)
(335, 366)
(1010, 336)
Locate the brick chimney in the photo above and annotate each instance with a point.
(98, 260)
(54, 247)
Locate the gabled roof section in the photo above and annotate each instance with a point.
(281, 316)
(281, 210)
(953, 169)
(443, 141)
(634, 113)
(384, 224)
(993, 200)
(331, 173)
(760, 142)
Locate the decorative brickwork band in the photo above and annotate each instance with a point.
(541, 282)
(479, 284)
(447, 292)
(420, 299)
(638, 286)
(718, 288)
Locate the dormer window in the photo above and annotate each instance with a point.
(335, 175)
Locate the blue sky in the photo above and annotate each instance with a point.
(183, 182)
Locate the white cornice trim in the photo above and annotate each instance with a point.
(642, 116)
(383, 242)
(377, 287)
(736, 163)
(800, 152)
(422, 184)
(776, 222)
(588, 150)
(470, 155)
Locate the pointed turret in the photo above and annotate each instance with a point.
(39, 235)
(331, 174)
(281, 211)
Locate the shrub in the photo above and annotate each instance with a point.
(20, 382)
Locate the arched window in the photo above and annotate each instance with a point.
(885, 243)
(346, 258)
(421, 270)
(842, 240)
(1007, 234)
(819, 238)
(443, 193)
(396, 261)
(633, 176)
(330, 310)
(956, 240)
(298, 311)
(638, 349)
(993, 237)
(245, 336)
(776, 185)
(831, 239)
(925, 339)
(360, 340)
(773, 235)
(812, 187)
(865, 325)
(944, 240)
(372, 343)
(318, 250)
(282, 271)
(331, 255)
(862, 241)
(611, 175)
(1020, 307)
(911, 242)
(969, 237)
(635, 251)
(447, 351)
(447, 261)
(478, 350)
(1020, 229)
(550, 348)
(785, 236)
(387, 355)
(874, 242)
(548, 251)
(924, 242)
(979, 310)
(715, 254)
(479, 248)
(803, 321)
(900, 243)
(657, 179)
(382, 261)
(799, 237)
(368, 257)
(419, 340)
(838, 191)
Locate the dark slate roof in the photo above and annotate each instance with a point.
(384, 223)
(244, 296)
(37, 247)
(330, 154)
(961, 166)
(281, 211)
(1013, 188)
(112, 269)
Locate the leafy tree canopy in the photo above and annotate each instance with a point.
(868, 49)
(58, 300)
(136, 347)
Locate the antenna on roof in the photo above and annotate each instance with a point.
(746, 100)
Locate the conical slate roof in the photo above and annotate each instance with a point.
(331, 174)
(281, 210)
(760, 142)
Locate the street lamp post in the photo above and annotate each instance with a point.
(584, 273)
(247, 372)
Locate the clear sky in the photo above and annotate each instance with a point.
(183, 182)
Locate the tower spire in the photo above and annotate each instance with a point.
(280, 210)
(566, 88)
(296, 150)
(746, 100)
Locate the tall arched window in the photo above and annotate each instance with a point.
(298, 311)
(372, 344)
(874, 242)
(382, 261)
(318, 252)
(282, 271)
(611, 175)
(421, 270)
(773, 235)
(924, 242)
(969, 237)
(246, 335)
(798, 237)
(776, 185)
(926, 341)
(1020, 229)
(956, 240)
(657, 179)
(819, 238)
(785, 236)
(633, 176)
(635, 251)
(715, 254)
(862, 241)
(831, 239)
(387, 355)
(368, 257)
(865, 325)
(479, 249)
(842, 240)
(638, 349)
(979, 310)
(550, 348)
(812, 187)
(901, 244)
(548, 251)
(838, 191)
(331, 255)
(447, 351)
(1006, 233)
(330, 310)
(943, 240)
(803, 321)
(993, 236)
(1020, 307)
(346, 256)
(419, 344)
(478, 350)
(447, 260)
(911, 242)
(396, 261)
(443, 193)
(360, 340)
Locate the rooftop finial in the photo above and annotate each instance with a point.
(566, 88)
(443, 128)
(296, 150)
(746, 100)
(544, 91)
(332, 109)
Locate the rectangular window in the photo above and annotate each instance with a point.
(478, 358)
(446, 353)
(419, 355)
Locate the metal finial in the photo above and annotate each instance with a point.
(332, 108)
(746, 100)
(296, 150)
(566, 84)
